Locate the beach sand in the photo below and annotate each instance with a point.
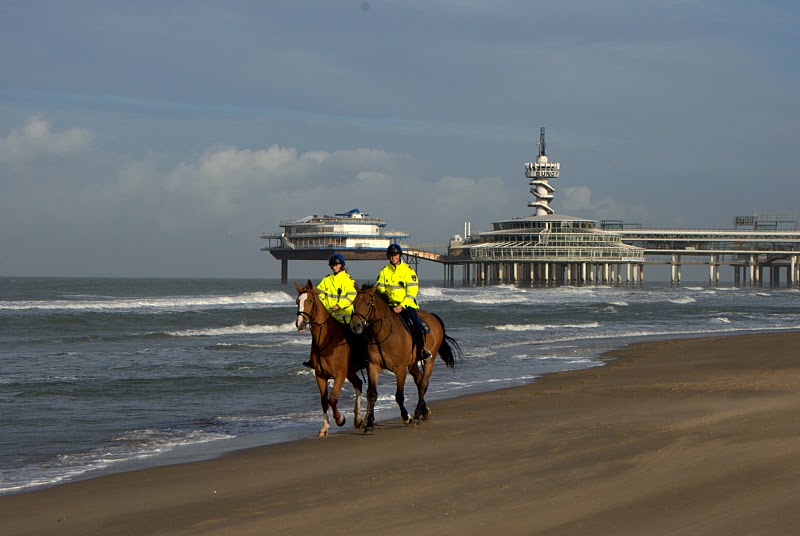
(697, 436)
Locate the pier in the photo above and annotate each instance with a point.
(757, 259)
(554, 249)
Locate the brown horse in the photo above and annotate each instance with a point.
(391, 347)
(330, 355)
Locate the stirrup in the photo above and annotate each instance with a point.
(425, 354)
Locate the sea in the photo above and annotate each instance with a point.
(102, 375)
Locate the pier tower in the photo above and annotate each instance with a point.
(540, 173)
(546, 248)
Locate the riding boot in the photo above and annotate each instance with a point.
(308, 364)
(424, 354)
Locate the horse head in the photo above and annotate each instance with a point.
(306, 305)
(363, 308)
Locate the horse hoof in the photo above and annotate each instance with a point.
(369, 430)
(322, 433)
(359, 424)
(341, 423)
(409, 422)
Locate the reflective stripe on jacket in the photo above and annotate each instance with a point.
(399, 284)
(338, 289)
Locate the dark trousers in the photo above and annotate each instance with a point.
(417, 330)
(412, 314)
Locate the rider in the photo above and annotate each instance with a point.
(337, 292)
(398, 282)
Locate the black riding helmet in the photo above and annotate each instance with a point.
(336, 259)
(393, 249)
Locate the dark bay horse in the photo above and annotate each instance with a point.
(330, 355)
(391, 348)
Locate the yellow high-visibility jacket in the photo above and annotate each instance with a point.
(338, 289)
(399, 283)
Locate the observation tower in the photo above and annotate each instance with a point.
(545, 247)
(540, 173)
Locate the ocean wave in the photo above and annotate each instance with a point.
(543, 327)
(684, 300)
(144, 305)
(227, 346)
(649, 334)
(241, 329)
(137, 444)
(431, 292)
(495, 295)
(143, 444)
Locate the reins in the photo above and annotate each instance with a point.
(308, 317)
(368, 323)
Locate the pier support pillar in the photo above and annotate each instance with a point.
(676, 270)
(775, 277)
(713, 277)
(284, 271)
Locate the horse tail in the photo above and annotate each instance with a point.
(445, 349)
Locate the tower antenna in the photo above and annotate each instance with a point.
(541, 142)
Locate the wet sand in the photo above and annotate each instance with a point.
(697, 436)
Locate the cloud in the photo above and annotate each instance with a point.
(37, 139)
(576, 198)
(577, 201)
(140, 211)
(251, 185)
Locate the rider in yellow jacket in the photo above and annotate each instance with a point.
(398, 282)
(338, 290)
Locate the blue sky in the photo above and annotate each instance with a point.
(162, 138)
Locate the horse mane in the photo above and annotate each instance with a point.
(368, 286)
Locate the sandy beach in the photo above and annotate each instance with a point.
(697, 436)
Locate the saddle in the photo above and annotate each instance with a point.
(410, 327)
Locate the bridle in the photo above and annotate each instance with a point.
(373, 311)
(308, 318)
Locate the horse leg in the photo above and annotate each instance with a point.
(372, 397)
(418, 374)
(358, 385)
(322, 383)
(423, 412)
(338, 381)
(399, 397)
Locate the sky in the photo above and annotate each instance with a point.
(163, 138)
